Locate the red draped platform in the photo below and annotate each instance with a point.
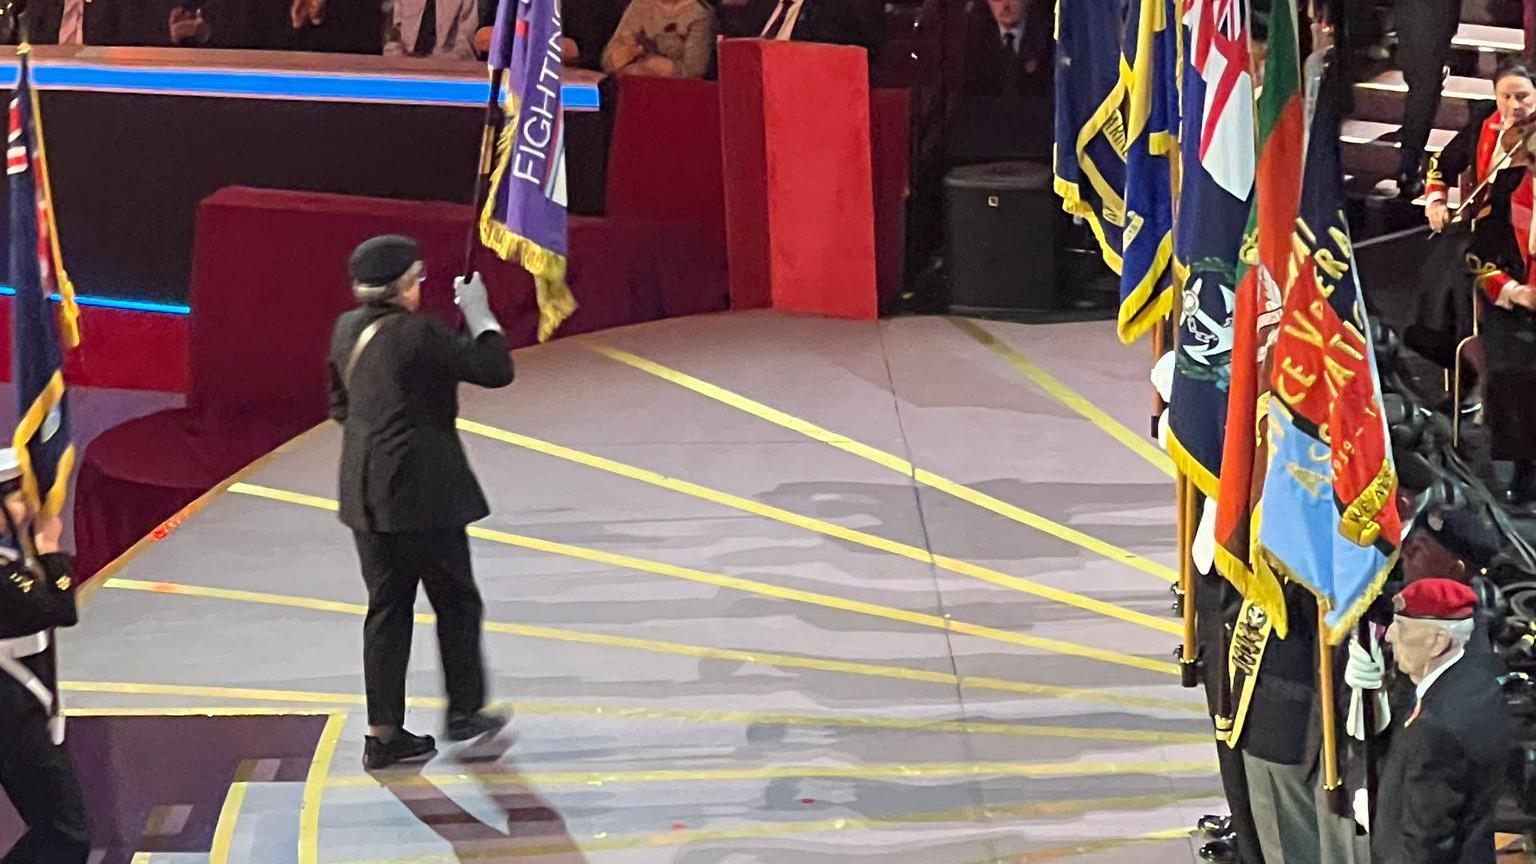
(269, 279)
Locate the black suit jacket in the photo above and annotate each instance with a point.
(835, 22)
(993, 70)
(107, 22)
(1444, 771)
(403, 467)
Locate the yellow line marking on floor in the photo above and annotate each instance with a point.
(762, 589)
(792, 772)
(314, 789)
(820, 526)
(784, 661)
(335, 701)
(1053, 386)
(229, 817)
(969, 816)
(116, 565)
(892, 462)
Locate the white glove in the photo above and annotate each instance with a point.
(1204, 550)
(1366, 671)
(1162, 376)
(1362, 808)
(475, 303)
(1162, 430)
(1365, 668)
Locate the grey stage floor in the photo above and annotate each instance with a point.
(762, 589)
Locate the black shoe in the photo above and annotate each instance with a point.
(464, 727)
(1409, 186)
(403, 747)
(1219, 852)
(1214, 826)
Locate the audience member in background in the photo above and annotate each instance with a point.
(1424, 32)
(434, 28)
(662, 39)
(838, 22)
(590, 24)
(1008, 52)
(78, 22)
(1445, 759)
(1003, 109)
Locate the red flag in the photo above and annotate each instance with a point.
(1263, 272)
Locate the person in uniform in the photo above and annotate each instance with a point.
(1445, 760)
(1281, 740)
(36, 595)
(1501, 248)
(407, 491)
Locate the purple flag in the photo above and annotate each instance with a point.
(524, 217)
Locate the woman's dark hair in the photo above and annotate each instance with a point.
(1514, 66)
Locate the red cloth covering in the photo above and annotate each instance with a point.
(119, 349)
(269, 278)
(799, 177)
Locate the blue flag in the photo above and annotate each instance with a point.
(1328, 518)
(524, 217)
(1150, 71)
(1088, 154)
(1218, 155)
(42, 439)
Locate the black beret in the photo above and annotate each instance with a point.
(382, 260)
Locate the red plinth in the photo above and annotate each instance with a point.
(798, 180)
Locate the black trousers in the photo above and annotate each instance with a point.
(1425, 29)
(1216, 604)
(38, 777)
(393, 565)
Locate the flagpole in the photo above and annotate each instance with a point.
(1188, 650)
(1325, 703)
(493, 117)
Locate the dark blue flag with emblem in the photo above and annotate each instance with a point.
(42, 439)
(1088, 154)
(1218, 155)
(1150, 72)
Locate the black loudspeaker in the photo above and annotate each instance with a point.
(1000, 225)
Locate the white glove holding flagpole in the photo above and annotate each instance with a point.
(475, 303)
(1366, 671)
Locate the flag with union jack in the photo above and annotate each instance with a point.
(1218, 162)
(42, 438)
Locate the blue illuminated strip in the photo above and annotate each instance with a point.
(117, 303)
(277, 85)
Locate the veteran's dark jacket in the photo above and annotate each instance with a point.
(403, 467)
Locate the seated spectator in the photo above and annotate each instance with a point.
(1008, 54)
(434, 28)
(77, 22)
(836, 22)
(340, 26)
(662, 39)
(1003, 110)
(589, 25)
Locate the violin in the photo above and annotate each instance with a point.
(1517, 149)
